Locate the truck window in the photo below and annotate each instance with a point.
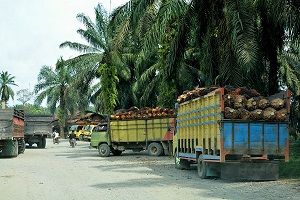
(79, 128)
(101, 128)
(73, 128)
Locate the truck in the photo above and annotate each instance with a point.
(87, 132)
(154, 135)
(77, 130)
(11, 132)
(228, 148)
(37, 128)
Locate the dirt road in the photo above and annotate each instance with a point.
(63, 173)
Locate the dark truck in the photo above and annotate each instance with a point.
(11, 132)
(37, 128)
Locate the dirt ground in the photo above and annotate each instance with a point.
(60, 172)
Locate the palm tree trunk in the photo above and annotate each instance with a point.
(273, 75)
(62, 111)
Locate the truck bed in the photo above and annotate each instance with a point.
(11, 124)
(141, 130)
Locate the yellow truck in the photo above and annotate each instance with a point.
(153, 135)
(77, 129)
(87, 131)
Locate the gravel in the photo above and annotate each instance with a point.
(64, 173)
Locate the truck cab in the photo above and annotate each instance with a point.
(100, 136)
(77, 130)
(88, 129)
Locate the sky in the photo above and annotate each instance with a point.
(32, 30)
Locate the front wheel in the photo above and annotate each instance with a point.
(81, 137)
(104, 150)
(155, 149)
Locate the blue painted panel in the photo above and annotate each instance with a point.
(256, 136)
(240, 135)
(227, 135)
(271, 131)
(265, 137)
(283, 135)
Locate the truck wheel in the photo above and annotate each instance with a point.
(201, 168)
(22, 146)
(40, 143)
(117, 152)
(43, 145)
(155, 149)
(10, 148)
(181, 163)
(81, 137)
(104, 150)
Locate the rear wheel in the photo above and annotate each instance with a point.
(104, 150)
(43, 145)
(10, 149)
(81, 137)
(155, 149)
(22, 146)
(202, 168)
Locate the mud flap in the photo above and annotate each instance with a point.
(250, 171)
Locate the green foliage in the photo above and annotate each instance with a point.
(109, 93)
(55, 86)
(6, 80)
(291, 169)
(33, 109)
(150, 51)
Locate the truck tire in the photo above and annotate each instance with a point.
(81, 137)
(181, 163)
(10, 149)
(43, 145)
(40, 143)
(202, 168)
(155, 149)
(22, 146)
(104, 150)
(117, 152)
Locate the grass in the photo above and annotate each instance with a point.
(291, 169)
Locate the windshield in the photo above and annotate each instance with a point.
(79, 128)
(91, 127)
(86, 128)
(73, 128)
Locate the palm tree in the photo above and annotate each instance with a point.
(231, 42)
(6, 92)
(55, 86)
(100, 57)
